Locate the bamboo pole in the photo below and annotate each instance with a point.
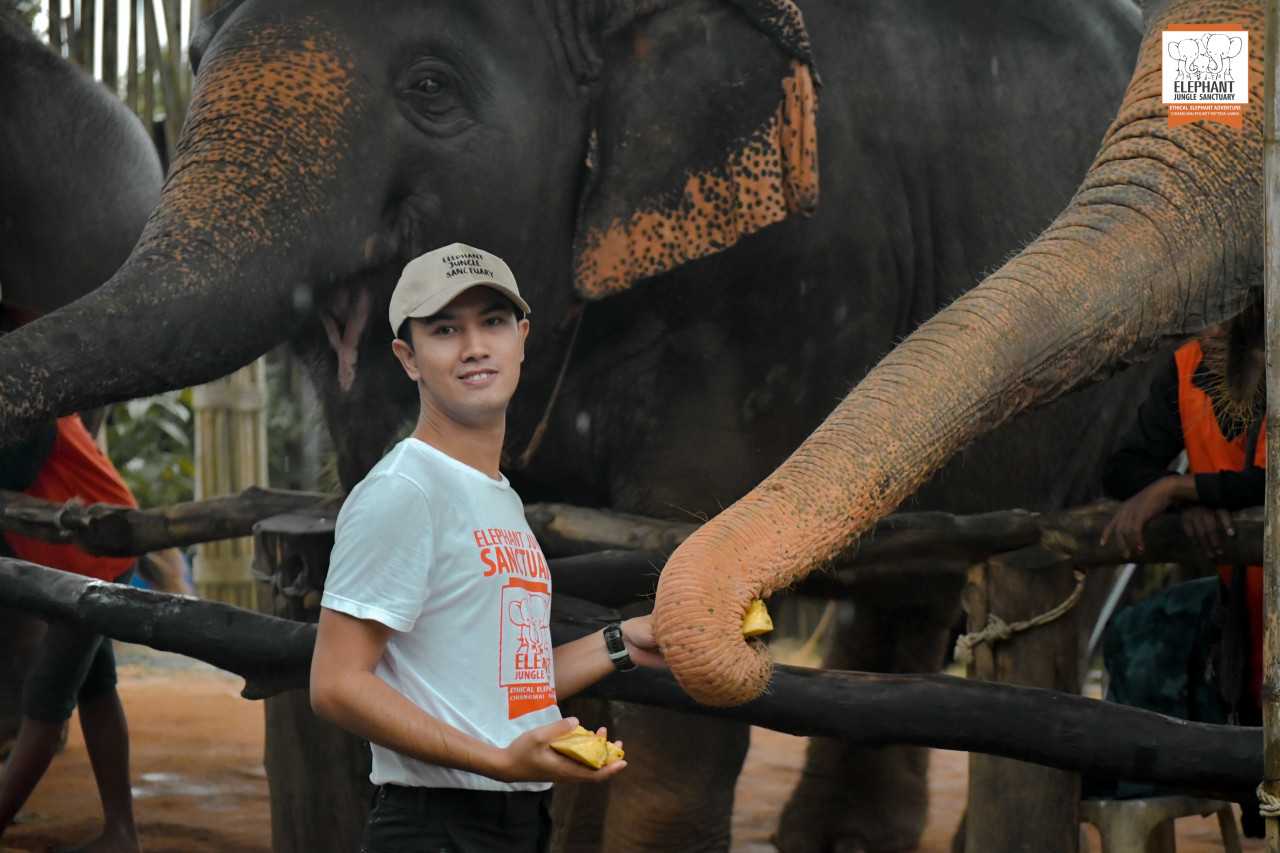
(86, 41)
(171, 75)
(110, 45)
(231, 455)
(55, 26)
(150, 64)
(1271, 547)
(131, 64)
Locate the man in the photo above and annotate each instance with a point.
(434, 637)
(1210, 401)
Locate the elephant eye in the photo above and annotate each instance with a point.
(431, 85)
(434, 97)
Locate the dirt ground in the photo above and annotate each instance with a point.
(200, 785)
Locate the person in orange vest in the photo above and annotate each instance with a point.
(72, 666)
(1209, 401)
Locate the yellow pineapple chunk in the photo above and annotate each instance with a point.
(757, 620)
(591, 749)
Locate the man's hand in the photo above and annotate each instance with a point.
(637, 633)
(1134, 514)
(530, 758)
(1205, 527)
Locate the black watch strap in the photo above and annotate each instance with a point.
(617, 649)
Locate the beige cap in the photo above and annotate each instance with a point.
(431, 281)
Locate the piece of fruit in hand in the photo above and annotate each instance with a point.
(757, 620)
(588, 747)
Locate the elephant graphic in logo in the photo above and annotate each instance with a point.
(1205, 58)
(1216, 50)
(526, 633)
(1187, 52)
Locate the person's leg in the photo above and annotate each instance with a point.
(72, 663)
(48, 696)
(106, 738)
(33, 749)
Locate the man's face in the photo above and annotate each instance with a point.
(466, 358)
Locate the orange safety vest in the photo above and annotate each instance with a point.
(75, 468)
(1209, 452)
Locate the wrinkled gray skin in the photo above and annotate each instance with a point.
(682, 392)
(60, 239)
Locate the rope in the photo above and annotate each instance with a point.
(1268, 804)
(536, 440)
(998, 630)
(67, 524)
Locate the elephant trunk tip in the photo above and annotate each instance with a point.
(720, 673)
(700, 633)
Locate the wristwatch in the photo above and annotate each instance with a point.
(617, 649)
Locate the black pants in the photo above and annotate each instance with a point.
(453, 820)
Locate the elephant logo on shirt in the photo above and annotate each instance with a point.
(531, 613)
(525, 666)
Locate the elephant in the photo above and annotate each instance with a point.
(1218, 48)
(1163, 238)
(649, 170)
(60, 239)
(1190, 56)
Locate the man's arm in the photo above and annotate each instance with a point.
(585, 661)
(1134, 514)
(1233, 490)
(1152, 441)
(1137, 472)
(347, 692)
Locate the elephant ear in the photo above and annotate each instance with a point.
(213, 21)
(704, 131)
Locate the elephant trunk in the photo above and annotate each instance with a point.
(1138, 253)
(211, 283)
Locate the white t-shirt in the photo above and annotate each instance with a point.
(442, 554)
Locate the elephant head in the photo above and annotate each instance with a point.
(329, 143)
(1162, 238)
(1188, 52)
(1219, 47)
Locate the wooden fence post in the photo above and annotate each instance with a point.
(1015, 806)
(318, 775)
(1270, 785)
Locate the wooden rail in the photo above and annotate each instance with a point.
(566, 530)
(1054, 729)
